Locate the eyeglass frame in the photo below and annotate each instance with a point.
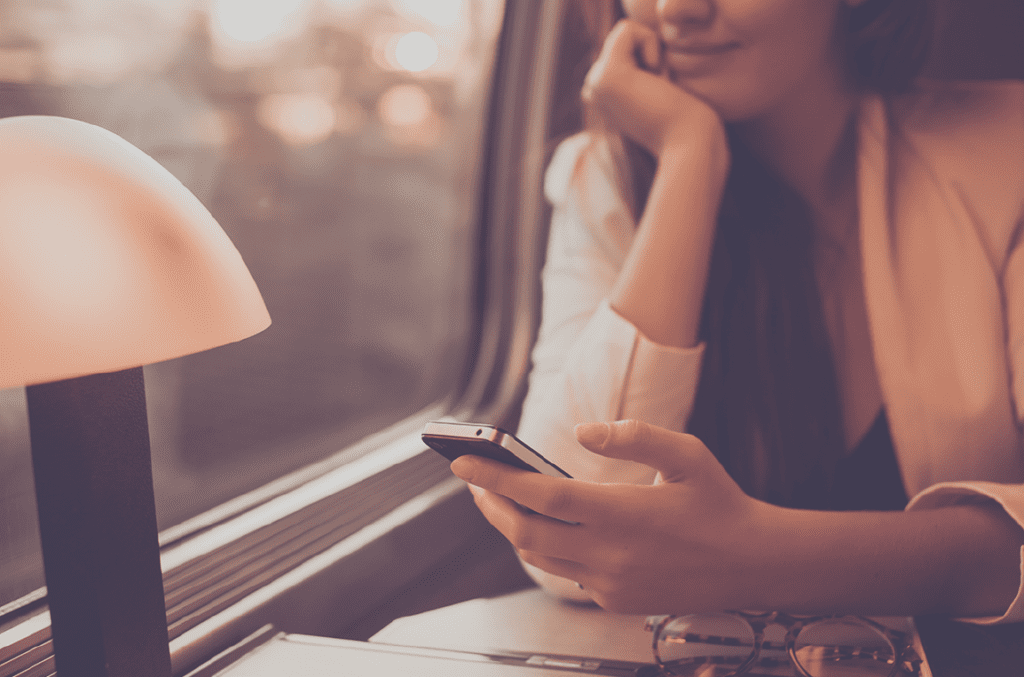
(905, 658)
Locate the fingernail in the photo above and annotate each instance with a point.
(592, 435)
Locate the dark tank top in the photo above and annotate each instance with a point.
(868, 477)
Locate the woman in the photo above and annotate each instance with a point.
(821, 281)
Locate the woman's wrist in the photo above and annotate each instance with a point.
(767, 556)
(701, 143)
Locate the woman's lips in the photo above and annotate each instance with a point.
(696, 58)
(700, 48)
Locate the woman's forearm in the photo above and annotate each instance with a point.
(661, 286)
(961, 560)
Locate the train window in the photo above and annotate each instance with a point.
(338, 142)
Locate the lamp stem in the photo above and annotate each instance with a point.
(97, 522)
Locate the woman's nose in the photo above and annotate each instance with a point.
(683, 14)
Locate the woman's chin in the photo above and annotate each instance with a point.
(731, 105)
(731, 109)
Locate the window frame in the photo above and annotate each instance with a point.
(423, 528)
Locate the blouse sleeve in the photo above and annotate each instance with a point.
(589, 363)
(1009, 496)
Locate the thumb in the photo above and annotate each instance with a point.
(675, 455)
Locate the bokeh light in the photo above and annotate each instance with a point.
(299, 119)
(405, 105)
(416, 51)
(408, 113)
(216, 127)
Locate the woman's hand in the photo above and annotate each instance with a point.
(695, 542)
(687, 543)
(637, 100)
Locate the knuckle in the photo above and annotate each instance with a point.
(621, 28)
(596, 80)
(634, 432)
(610, 596)
(612, 604)
(620, 563)
(627, 26)
(623, 604)
(591, 85)
(692, 442)
(556, 502)
(520, 535)
(529, 557)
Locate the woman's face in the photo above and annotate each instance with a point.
(744, 57)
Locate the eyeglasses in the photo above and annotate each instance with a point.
(734, 643)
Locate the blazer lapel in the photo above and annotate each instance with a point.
(935, 315)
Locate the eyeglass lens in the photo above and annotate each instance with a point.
(839, 647)
(717, 645)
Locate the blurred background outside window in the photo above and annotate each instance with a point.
(337, 142)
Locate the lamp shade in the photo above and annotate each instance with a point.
(106, 260)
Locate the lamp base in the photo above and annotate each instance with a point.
(97, 522)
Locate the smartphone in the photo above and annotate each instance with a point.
(452, 439)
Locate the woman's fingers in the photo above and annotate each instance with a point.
(629, 46)
(528, 531)
(677, 456)
(635, 44)
(562, 498)
(576, 552)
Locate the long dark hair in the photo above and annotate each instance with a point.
(767, 402)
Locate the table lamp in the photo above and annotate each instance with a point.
(107, 263)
